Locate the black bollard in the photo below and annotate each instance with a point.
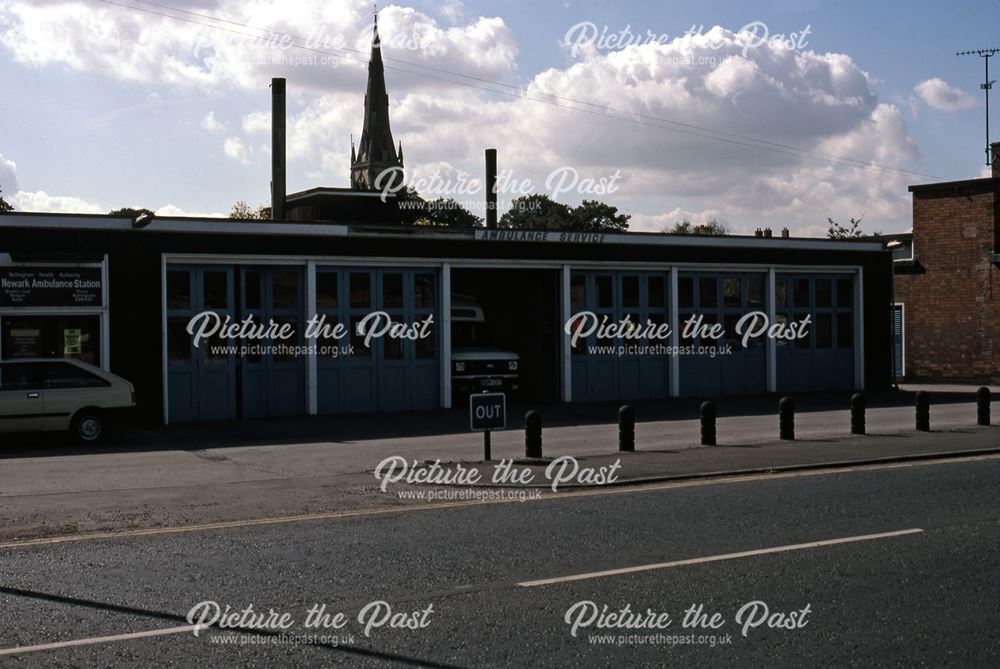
(626, 428)
(983, 406)
(857, 413)
(923, 412)
(533, 434)
(708, 423)
(786, 418)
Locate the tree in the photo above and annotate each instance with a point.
(540, 212)
(853, 231)
(537, 212)
(130, 212)
(446, 212)
(5, 207)
(241, 210)
(713, 228)
(592, 215)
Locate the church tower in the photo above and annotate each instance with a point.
(376, 152)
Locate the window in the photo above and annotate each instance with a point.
(178, 289)
(902, 249)
(685, 292)
(285, 290)
(630, 291)
(801, 296)
(20, 376)
(578, 292)
(845, 331)
(392, 290)
(657, 292)
(706, 292)
(326, 290)
(252, 290)
(423, 291)
(824, 293)
(755, 292)
(845, 293)
(52, 337)
(62, 375)
(361, 290)
(731, 292)
(605, 292)
(824, 331)
(781, 292)
(178, 342)
(216, 286)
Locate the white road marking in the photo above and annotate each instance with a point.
(716, 558)
(97, 639)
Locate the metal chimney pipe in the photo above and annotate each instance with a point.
(491, 188)
(277, 149)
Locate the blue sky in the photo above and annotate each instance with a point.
(107, 106)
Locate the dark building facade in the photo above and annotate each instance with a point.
(141, 288)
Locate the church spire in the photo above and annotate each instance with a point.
(376, 152)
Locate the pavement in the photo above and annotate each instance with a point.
(891, 566)
(264, 469)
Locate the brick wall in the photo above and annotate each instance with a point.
(952, 294)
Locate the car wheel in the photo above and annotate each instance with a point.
(88, 427)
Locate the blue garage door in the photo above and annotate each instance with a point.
(617, 368)
(824, 359)
(272, 383)
(393, 374)
(721, 298)
(200, 380)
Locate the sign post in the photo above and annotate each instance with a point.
(487, 412)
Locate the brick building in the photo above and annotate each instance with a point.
(947, 282)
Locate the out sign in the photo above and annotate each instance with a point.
(487, 411)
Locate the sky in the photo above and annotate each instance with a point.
(768, 114)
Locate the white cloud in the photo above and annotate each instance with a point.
(243, 44)
(40, 201)
(235, 149)
(174, 210)
(212, 124)
(8, 176)
(939, 94)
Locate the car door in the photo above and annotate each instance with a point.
(21, 403)
(68, 388)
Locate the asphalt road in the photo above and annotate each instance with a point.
(922, 593)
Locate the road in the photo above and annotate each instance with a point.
(923, 591)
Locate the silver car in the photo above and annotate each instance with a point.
(52, 394)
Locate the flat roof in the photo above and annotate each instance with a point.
(195, 225)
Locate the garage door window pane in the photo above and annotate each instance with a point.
(216, 289)
(706, 293)
(252, 290)
(605, 292)
(425, 347)
(361, 290)
(824, 293)
(326, 290)
(423, 291)
(685, 292)
(630, 291)
(731, 292)
(657, 292)
(845, 293)
(781, 292)
(755, 292)
(392, 290)
(286, 290)
(178, 289)
(578, 292)
(801, 297)
(806, 341)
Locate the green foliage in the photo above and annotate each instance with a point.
(130, 212)
(835, 230)
(242, 211)
(540, 212)
(713, 228)
(446, 212)
(5, 207)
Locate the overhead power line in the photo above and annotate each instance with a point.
(510, 90)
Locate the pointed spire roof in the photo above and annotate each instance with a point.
(376, 151)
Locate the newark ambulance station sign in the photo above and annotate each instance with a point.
(50, 287)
